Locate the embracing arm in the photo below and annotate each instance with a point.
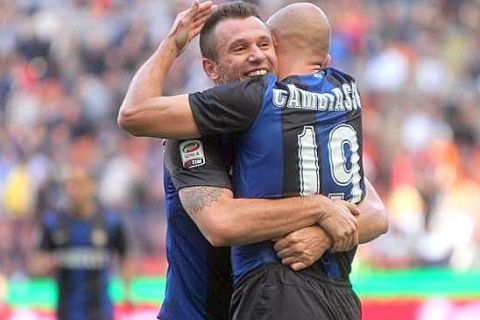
(144, 111)
(301, 248)
(226, 221)
(373, 221)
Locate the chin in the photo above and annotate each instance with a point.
(230, 79)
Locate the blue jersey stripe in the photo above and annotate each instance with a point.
(259, 176)
(264, 169)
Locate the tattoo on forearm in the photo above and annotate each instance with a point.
(195, 199)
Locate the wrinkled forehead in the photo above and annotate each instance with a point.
(248, 29)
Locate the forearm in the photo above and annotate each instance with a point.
(149, 80)
(373, 220)
(255, 220)
(144, 111)
(226, 221)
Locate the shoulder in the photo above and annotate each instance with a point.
(264, 80)
(170, 150)
(338, 75)
(253, 83)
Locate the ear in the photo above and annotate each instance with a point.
(210, 68)
(326, 62)
(274, 40)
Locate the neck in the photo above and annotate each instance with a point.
(288, 66)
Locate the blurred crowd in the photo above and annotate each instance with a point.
(65, 65)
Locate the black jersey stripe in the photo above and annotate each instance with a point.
(64, 279)
(94, 292)
(337, 79)
(220, 283)
(344, 261)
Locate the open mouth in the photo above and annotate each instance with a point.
(258, 72)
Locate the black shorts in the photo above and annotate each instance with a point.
(275, 292)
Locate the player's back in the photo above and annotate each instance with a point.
(306, 139)
(299, 136)
(199, 275)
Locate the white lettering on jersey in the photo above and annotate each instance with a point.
(280, 97)
(344, 98)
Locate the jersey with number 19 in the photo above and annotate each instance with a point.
(299, 136)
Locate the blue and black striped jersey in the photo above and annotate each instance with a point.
(83, 249)
(299, 136)
(199, 282)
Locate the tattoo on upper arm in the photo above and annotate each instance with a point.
(195, 199)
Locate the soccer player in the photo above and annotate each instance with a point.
(78, 244)
(191, 147)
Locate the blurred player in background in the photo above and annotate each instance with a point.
(78, 243)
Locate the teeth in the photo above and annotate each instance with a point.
(257, 73)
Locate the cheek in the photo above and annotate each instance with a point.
(273, 61)
(231, 69)
(272, 57)
(234, 64)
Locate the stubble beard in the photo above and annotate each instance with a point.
(228, 75)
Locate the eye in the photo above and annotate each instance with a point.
(264, 45)
(239, 49)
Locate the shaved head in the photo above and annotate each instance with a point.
(301, 28)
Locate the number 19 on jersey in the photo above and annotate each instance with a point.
(343, 163)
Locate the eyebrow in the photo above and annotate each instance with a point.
(237, 42)
(265, 38)
(244, 41)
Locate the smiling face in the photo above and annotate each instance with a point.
(244, 48)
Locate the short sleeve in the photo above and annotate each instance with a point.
(198, 162)
(231, 108)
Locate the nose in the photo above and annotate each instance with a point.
(256, 55)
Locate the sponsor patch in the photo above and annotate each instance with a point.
(192, 153)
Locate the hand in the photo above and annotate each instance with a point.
(340, 223)
(188, 23)
(301, 248)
